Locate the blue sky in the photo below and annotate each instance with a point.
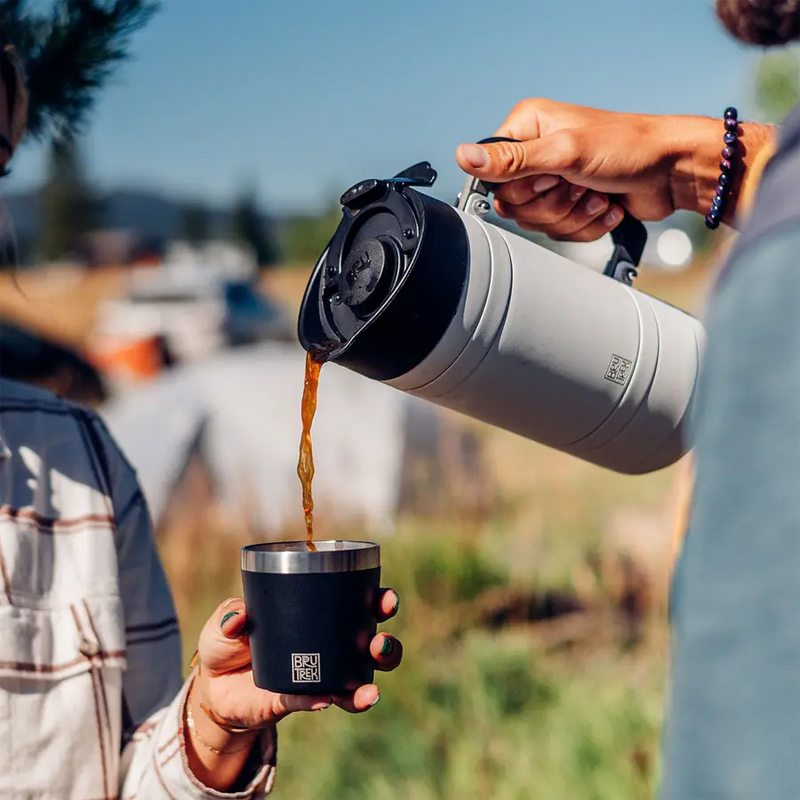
(306, 97)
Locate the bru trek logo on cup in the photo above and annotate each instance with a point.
(305, 668)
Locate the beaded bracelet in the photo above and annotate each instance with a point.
(726, 167)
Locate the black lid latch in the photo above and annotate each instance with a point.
(366, 192)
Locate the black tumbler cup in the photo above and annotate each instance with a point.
(311, 614)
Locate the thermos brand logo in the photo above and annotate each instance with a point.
(618, 370)
(305, 668)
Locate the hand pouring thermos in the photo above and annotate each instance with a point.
(435, 301)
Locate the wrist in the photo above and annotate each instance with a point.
(695, 149)
(210, 734)
(216, 757)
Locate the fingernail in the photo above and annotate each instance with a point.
(595, 205)
(396, 603)
(375, 701)
(545, 182)
(321, 705)
(576, 192)
(613, 217)
(474, 155)
(227, 617)
(387, 646)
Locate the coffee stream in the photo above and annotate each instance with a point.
(315, 358)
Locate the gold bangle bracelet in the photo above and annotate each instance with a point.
(218, 751)
(223, 723)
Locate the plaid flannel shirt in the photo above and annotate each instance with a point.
(91, 694)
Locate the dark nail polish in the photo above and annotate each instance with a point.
(227, 617)
(375, 701)
(396, 603)
(387, 646)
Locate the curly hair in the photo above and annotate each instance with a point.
(761, 22)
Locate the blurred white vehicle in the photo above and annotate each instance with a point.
(181, 312)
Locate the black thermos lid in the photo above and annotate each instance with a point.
(390, 281)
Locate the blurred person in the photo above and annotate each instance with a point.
(92, 703)
(733, 724)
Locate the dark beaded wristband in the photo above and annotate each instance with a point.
(729, 150)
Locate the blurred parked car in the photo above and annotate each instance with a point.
(250, 317)
(175, 315)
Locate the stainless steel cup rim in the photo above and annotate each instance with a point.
(290, 558)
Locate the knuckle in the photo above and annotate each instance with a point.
(518, 192)
(550, 217)
(565, 234)
(528, 105)
(568, 228)
(509, 156)
(567, 148)
(566, 206)
(521, 107)
(557, 233)
(505, 196)
(547, 211)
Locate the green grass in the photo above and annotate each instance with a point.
(485, 715)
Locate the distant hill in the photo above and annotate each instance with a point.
(149, 212)
(158, 216)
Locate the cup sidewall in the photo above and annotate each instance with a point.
(310, 632)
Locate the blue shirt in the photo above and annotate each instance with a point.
(733, 723)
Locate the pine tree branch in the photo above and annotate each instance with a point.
(70, 54)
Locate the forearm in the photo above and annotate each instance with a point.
(694, 146)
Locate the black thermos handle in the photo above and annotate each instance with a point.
(629, 236)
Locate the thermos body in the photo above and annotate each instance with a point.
(565, 356)
(438, 302)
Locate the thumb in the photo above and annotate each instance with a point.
(223, 645)
(501, 162)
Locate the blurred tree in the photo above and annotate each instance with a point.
(305, 237)
(66, 201)
(249, 227)
(195, 223)
(69, 48)
(777, 84)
